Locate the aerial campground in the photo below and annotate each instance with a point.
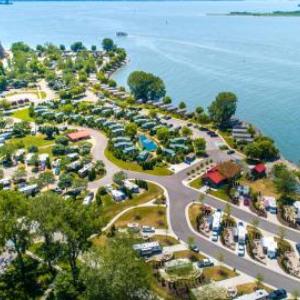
(117, 190)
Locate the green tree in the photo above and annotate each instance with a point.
(45, 179)
(106, 277)
(45, 209)
(186, 131)
(108, 44)
(199, 145)
(119, 177)
(163, 134)
(285, 180)
(15, 225)
(182, 105)
(167, 100)
(78, 225)
(77, 46)
(262, 148)
(131, 129)
(223, 108)
(146, 86)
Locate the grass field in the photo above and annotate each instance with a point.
(131, 166)
(165, 240)
(250, 287)
(220, 193)
(194, 211)
(150, 216)
(112, 208)
(23, 114)
(218, 273)
(264, 185)
(31, 140)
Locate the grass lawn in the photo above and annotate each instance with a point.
(112, 208)
(218, 273)
(264, 185)
(23, 114)
(220, 193)
(151, 216)
(193, 256)
(194, 211)
(132, 166)
(32, 140)
(165, 240)
(196, 183)
(227, 137)
(250, 287)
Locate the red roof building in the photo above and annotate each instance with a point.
(214, 176)
(259, 170)
(78, 135)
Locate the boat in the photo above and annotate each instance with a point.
(121, 34)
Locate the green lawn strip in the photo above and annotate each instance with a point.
(218, 273)
(165, 240)
(132, 166)
(150, 216)
(220, 193)
(196, 183)
(194, 211)
(193, 256)
(112, 208)
(23, 114)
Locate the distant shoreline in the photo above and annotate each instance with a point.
(295, 13)
(127, 0)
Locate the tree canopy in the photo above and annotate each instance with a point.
(108, 44)
(262, 148)
(146, 86)
(223, 108)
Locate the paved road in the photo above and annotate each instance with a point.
(179, 197)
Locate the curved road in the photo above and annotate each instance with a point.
(179, 198)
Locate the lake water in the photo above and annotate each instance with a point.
(196, 54)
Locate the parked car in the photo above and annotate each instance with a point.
(278, 294)
(241, 250)
(88, 199)
(205, 263)
(298, 247)
(189, 124)
(194, 248)
(229, 152)
(148, 229)
(215, 236)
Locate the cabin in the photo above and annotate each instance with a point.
(78, 135)
(217, 219)
(169, 152)
(129, 150)
(123, 145)
(143, 156)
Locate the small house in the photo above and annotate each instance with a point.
(259, 171)
(85, 169)
(78, 135)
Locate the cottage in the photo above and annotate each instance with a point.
(134, 188)
(123, 145)
(169, 152)
(85, 169)
(29, 189)
(270, 246)
(121, 139)
(78, 135)
(129, 150)
(148, 249)
(74, 166)
(118, 195)
(270, 204)
(179, 147)
(178, 140)
(143, 156)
